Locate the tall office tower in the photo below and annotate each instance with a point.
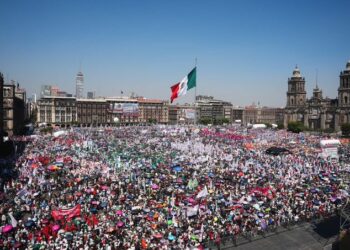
(79, 81)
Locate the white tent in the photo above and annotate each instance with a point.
(58, 133)
(331, 142)
(256, 126)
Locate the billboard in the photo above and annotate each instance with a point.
(124, 108)
(190, 114)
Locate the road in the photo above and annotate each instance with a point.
(306, 236)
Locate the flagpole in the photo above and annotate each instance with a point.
(195, 94)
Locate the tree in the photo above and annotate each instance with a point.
(280, 126)
(47, 130)
(295, 127)
(345, 129)
(152, 120)
(205, 120)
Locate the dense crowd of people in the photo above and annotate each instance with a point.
(163, 187)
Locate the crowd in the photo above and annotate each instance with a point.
(163, 187)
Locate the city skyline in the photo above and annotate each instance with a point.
(246, 51)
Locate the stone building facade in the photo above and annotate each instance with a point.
(317, 112)
(210, 108)
(14, 108)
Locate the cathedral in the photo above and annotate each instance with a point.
(318, 113)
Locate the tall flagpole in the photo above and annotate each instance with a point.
(195, 94)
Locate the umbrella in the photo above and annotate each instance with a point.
(104, 187)
(158, 236)
(53, 168)
(171, 237)
(17, 245)
(154, 186)
(191, 200)
(45, 221)
(120, 212)
(177, 168)
(34, 165)
(37, 246)
(256, 206)
(77, 221)
(120, 224)
(7, 228)
(30, 223)
(317, 202)
(55, 228)
(93, 210)
(194, 237)
(69, 236)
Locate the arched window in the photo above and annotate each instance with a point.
(345, 100)
(291, 101)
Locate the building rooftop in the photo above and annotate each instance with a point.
(144, 100)
(91, 100)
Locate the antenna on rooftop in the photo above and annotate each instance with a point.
(80, 63)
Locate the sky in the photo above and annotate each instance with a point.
(245, 50)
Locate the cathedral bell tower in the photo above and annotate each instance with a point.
(296, 94)
(344, 88)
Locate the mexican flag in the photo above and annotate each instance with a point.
(187, 83)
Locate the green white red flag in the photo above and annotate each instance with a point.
(181, 88)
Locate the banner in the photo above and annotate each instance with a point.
(124, 108)
(69, 213)
(190, 114)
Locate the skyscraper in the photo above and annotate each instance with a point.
(79, 81)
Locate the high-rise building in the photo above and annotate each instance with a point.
(90, 95)
(212, 109)
(79, 85)
(45, 90)
(54, 90)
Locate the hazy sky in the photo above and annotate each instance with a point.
(246, 50)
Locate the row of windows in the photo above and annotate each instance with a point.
(346, 83)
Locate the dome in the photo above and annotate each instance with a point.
(296, 72)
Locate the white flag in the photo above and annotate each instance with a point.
(202, 193)
(13, 220)
(201, 235)
(192, 210)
